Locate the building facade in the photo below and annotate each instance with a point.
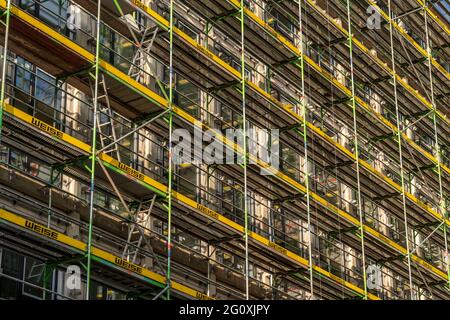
(93, 206)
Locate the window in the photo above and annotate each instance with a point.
(188, 30)
(4, 152)
(99, 198)
(36, 92)
(45, 88)
(280, 23)
(187, 96)
(28, 5)
(116, 49)
(124, 53)
(34, 274)
(23, 82)
(186, 180)
(98, 291)
(18, 160)
(27, 164)
(53, 12)
(233, 61)
(105, 41)
(289, 162)
(11, 265)
(189, 241)
(115, 205)
(101, 292)
(249, 4)
(230, 260)
(41, 171)
(48, 98)
(23, 75)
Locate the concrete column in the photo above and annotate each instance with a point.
(73, 230)
(211, 267)
(346, 194)
(147, 262)
(261, 75)
(340, 73)
(384, 221)
(258, 8)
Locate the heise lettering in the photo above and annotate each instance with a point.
(128, 265)
(40, 229)
(49, 129)
(131, 171)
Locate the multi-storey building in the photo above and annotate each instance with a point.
(93, 91)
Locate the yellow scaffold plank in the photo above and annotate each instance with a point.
(97, 252)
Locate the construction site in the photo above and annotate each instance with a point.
(94, 207)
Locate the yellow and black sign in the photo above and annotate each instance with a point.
(40, 229)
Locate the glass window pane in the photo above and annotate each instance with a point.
(45, 88)
(54, 12)
(34, 274)
(11, 265)
(4, 150)
(18, 160)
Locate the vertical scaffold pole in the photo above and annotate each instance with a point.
(305, 144)
(93, 151)
(400, 150)
(170, 169)
(355, 133)
(7, 15)
(436, 142)
(244, 141)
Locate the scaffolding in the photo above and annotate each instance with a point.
(92, 106)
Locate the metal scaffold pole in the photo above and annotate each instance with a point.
(93, 152)
(244, 134)
(305, 144)
(170, 169)
(7, 15)
(355, 133)
(442, 206)
(400, 150)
